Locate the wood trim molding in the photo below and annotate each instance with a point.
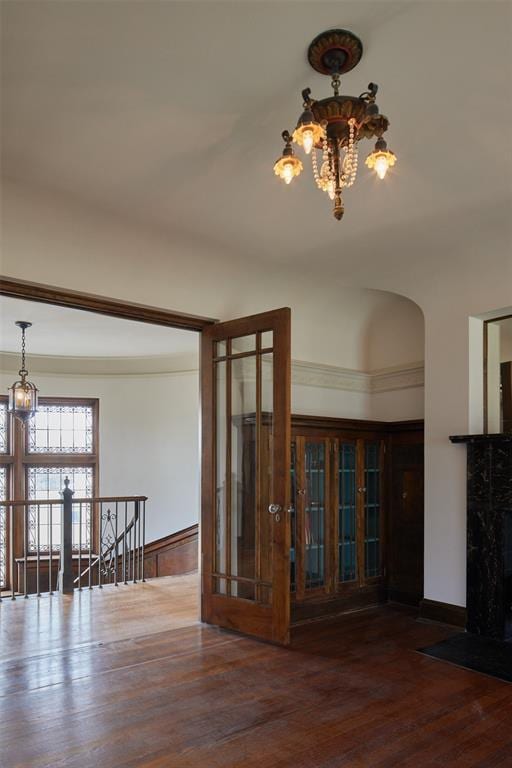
(63, 297)
(445, 613)
(356, 425)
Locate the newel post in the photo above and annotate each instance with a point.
(66, 584)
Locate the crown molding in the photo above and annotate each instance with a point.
(303, 373)
(67, 365)
(380, 380)
(398, 377)
(329, 377)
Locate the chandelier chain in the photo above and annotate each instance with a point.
(335, 82)
(23, 371)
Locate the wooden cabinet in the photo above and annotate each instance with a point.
(341, 513)
(356, 512)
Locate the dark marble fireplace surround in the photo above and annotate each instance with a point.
(489, 534)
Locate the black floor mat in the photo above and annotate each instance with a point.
(490, 657)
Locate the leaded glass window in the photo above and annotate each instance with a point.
(3, 527)
(44, 521)
(61, 429)
(4, 441)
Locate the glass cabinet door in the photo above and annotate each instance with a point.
(314, 514)
(347, 512)
(336, 515)
(372, 510)
(310, 503)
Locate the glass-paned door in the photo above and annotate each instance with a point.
(372, 510)
(315, 470)
(347, 513)
(312, 533)
(245, 519)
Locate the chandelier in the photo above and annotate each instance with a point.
(334, 126)
(23, 394)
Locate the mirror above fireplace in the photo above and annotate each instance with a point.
(498, 374)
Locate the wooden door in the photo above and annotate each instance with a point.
(405, 577)
(245, 499)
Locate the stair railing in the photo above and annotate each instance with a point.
(66, 544)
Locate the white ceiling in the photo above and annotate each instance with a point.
(171, 113)
(58, 331)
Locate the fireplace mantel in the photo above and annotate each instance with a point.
(489, 534)
(498, 437)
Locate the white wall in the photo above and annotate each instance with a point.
(143, 451)
(74, 246)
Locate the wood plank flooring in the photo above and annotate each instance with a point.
(128, 678)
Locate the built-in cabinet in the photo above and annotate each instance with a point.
(344, 512)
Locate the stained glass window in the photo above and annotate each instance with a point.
(4, 442)
(61, 429)
(44, 521)
(3, 527)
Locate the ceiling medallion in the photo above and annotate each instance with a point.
(335, 125)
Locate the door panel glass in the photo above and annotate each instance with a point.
(243, 474)
(243, 344)
(220, 480)
(267, 339)
(314, 533)
(264, 530)
(243, 468)
(347, 550)
(372, 510)
(221, 348)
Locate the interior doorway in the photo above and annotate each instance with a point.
(254, 485)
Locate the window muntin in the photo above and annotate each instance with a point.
(61, 429)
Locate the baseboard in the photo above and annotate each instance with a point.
(412, 599)
(446, 613)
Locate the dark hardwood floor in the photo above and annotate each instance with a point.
(128, 677)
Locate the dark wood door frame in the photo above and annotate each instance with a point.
(64, 297)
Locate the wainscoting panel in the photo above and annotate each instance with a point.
(172, 555)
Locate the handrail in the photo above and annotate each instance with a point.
(82, 525)
(91, 500)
